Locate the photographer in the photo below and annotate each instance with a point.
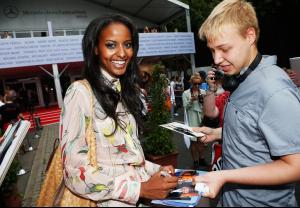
(192, 102)
(216, 97)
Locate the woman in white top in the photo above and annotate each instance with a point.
(110, 46)
(192, 102)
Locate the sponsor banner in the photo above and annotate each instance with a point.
(17, 52)
(160, 44)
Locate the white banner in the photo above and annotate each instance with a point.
(159, 44)
(17, 52)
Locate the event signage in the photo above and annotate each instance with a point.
(160, 44)
(17, 52)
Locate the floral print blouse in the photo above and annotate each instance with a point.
(121, 162)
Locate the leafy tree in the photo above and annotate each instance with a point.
(199, 10)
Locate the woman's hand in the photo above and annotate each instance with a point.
(211, 134)
(214, 180)
(158, 186)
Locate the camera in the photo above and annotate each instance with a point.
(200, 98)
(219, 74)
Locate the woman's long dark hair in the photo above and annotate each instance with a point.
(106, 96)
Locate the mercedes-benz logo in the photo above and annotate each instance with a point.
(11, 11)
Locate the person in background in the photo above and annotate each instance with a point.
(46, 93)
(153, 30)
(215, 99)
(261, 146)
(204, 85)
(186, 83)
(192, 102)
(173, 98)
(6, 35)
(178, 90)
(169, 91)
(144, 70)
(9, 112)
(146, 29)
(110, 46)
(214, 103)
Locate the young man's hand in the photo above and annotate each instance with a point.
(214, 180)
(211, 134)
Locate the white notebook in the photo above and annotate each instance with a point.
(183, 129)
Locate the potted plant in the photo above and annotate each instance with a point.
(157, 142)
(9, 195)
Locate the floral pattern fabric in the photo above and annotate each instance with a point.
(121, 162)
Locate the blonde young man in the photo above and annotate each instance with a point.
(261, 134)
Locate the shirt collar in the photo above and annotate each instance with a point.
(108, 76)
(111, 81)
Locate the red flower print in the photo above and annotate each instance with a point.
(123, 192)
(122, 148)
(82, 176)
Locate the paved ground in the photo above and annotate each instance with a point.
(29, 184)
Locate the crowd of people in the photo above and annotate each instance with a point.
(243, 113)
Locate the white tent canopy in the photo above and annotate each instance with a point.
(158, 12)
(33, 15)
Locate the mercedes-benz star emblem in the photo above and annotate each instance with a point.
(11, 11)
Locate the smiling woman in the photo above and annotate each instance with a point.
(114, 109)
(116, 49)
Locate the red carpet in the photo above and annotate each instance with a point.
(47, 116)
